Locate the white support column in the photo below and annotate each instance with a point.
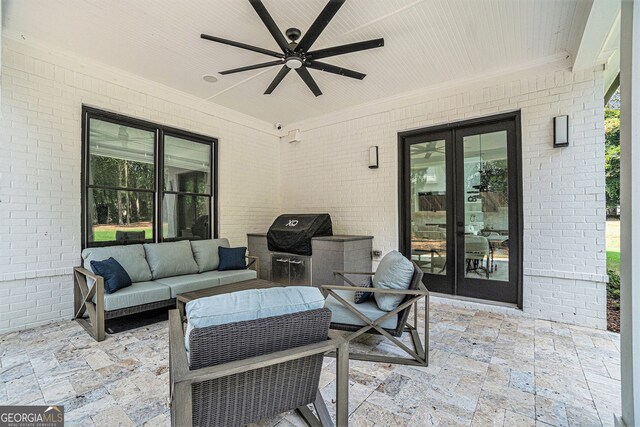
(630, 212)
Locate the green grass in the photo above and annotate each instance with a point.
(110, 235)
(613, 245)
(613, 260)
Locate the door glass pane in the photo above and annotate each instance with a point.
(486, 207)
(120, 216)
(186, 166)
(429, 206)
(185, 216)
(120, 156)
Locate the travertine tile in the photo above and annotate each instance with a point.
(485, 369)
(112, 416)
(551, 411)
(56, 392)
(513, 419)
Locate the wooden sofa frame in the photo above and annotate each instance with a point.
(182, 378)
(83, 301)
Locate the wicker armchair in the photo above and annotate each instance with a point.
(419, 354)
(240, 373)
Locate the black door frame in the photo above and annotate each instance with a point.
(516, 212)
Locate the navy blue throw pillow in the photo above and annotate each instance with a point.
(364, 296)
(115, 277)
(232, 258)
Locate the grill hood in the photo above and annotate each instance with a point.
(292, 233)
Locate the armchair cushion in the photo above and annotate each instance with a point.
(341, 314)
(394, 272)
(250, 305)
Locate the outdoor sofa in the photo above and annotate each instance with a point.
(159, 272)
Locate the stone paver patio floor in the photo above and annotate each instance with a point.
(486, 369)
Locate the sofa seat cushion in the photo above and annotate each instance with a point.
(190, 282)
(341, 314)
(170, 259)
(233, 276)
(250, 304)
(205, 253)
(136, 294)
(131, 257)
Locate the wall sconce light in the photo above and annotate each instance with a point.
(373, 157)
(560, 131)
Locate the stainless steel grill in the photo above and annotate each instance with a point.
(294, 270)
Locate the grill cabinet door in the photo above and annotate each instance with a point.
(299, 271)
(280, 269)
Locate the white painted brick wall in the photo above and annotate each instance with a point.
(563, 189)
(40, 145)
(42, 94)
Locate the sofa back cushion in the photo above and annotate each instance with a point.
(250, 304)
(394, 272)
(170, 259)
(205, 253)
(130, 257)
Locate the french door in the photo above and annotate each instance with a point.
(460, 207)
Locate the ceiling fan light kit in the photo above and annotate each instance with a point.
(297, 56)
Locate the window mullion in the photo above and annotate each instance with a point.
(159, 196)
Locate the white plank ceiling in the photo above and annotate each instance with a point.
(427, 43)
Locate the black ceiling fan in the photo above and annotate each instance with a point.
(296, 55)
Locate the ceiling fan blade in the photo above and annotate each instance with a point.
(283, 72)
(345, 48)
(251, 67)
(242, 45)
(304, 73)
(335, 70)
(270, 24)
(319, 24)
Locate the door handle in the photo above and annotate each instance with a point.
(295, 262)
(282, 260)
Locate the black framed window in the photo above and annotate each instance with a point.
(143, 182)
(186, 195)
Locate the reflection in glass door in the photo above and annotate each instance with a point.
(486, 206)
(460, 208)
(429, 204)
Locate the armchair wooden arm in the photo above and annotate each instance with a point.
(354, 273)
(343, 275)
(355, 288)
